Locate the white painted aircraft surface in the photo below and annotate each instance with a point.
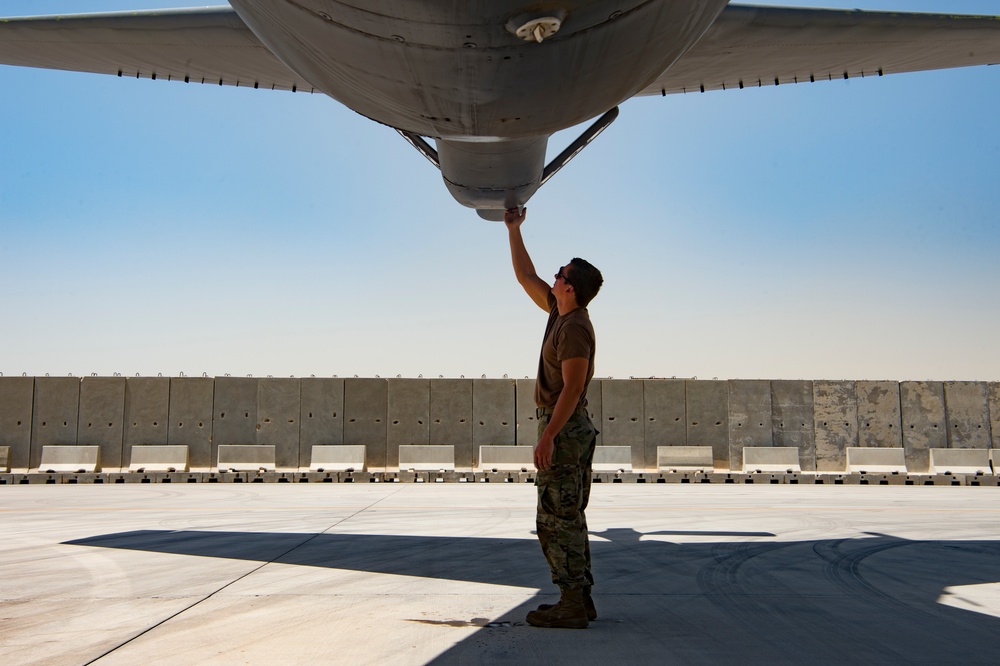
(489, 81)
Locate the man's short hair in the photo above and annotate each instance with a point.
(586, 280)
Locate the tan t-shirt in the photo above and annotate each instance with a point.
(567, 336)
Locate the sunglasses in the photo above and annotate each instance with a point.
(565, 279)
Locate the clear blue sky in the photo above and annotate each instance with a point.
(837, 230)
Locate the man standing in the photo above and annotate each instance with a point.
(564, 453)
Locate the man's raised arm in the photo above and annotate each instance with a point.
(533, 285)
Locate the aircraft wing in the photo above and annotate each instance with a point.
(206, 45)
(761, 46)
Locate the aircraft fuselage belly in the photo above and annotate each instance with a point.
(456, 71)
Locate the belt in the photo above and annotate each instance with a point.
(547, 411)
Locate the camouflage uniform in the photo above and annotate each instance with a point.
(563, 493)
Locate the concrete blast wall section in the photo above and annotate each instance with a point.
(820, 418)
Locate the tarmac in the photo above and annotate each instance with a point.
(409, 573)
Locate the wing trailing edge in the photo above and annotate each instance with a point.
(752, 46)
(207, 45)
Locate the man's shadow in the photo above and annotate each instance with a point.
(741, 596)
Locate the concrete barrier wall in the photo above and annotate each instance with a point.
(365, 413)
(994, 407)
(835, 423)
(623, 416)
(749, 418)
(451, 417)
(792, 416)
(879, 421)
(16, 400)
(102, 413)
(147, 414)
(321, 415)
(665, 415)
(820, 418)
(409, 416)
(707, 409)
(923, 419)
(190, 409)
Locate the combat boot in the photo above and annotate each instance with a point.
(569, 613)
(588, 604)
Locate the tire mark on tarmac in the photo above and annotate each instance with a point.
(843, 565)
(843, 568)
(740, 582)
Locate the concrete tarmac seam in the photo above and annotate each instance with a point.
(238, 579)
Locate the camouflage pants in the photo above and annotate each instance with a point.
(563, 493)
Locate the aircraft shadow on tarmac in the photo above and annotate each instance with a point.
(743, 596)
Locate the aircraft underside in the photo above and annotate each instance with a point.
(490, 80)
(461, 74)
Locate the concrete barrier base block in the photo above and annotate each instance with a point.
(727, 477)
(44, 478)
(133, 477)
(451, 477)
(316, 477)
(85, 478)
(498, 477)
(770, 478)
(270, 477)
(934, 480)
(983, 480)
(683, 477)
(181, 477)
(358, 477)
(225, 477)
